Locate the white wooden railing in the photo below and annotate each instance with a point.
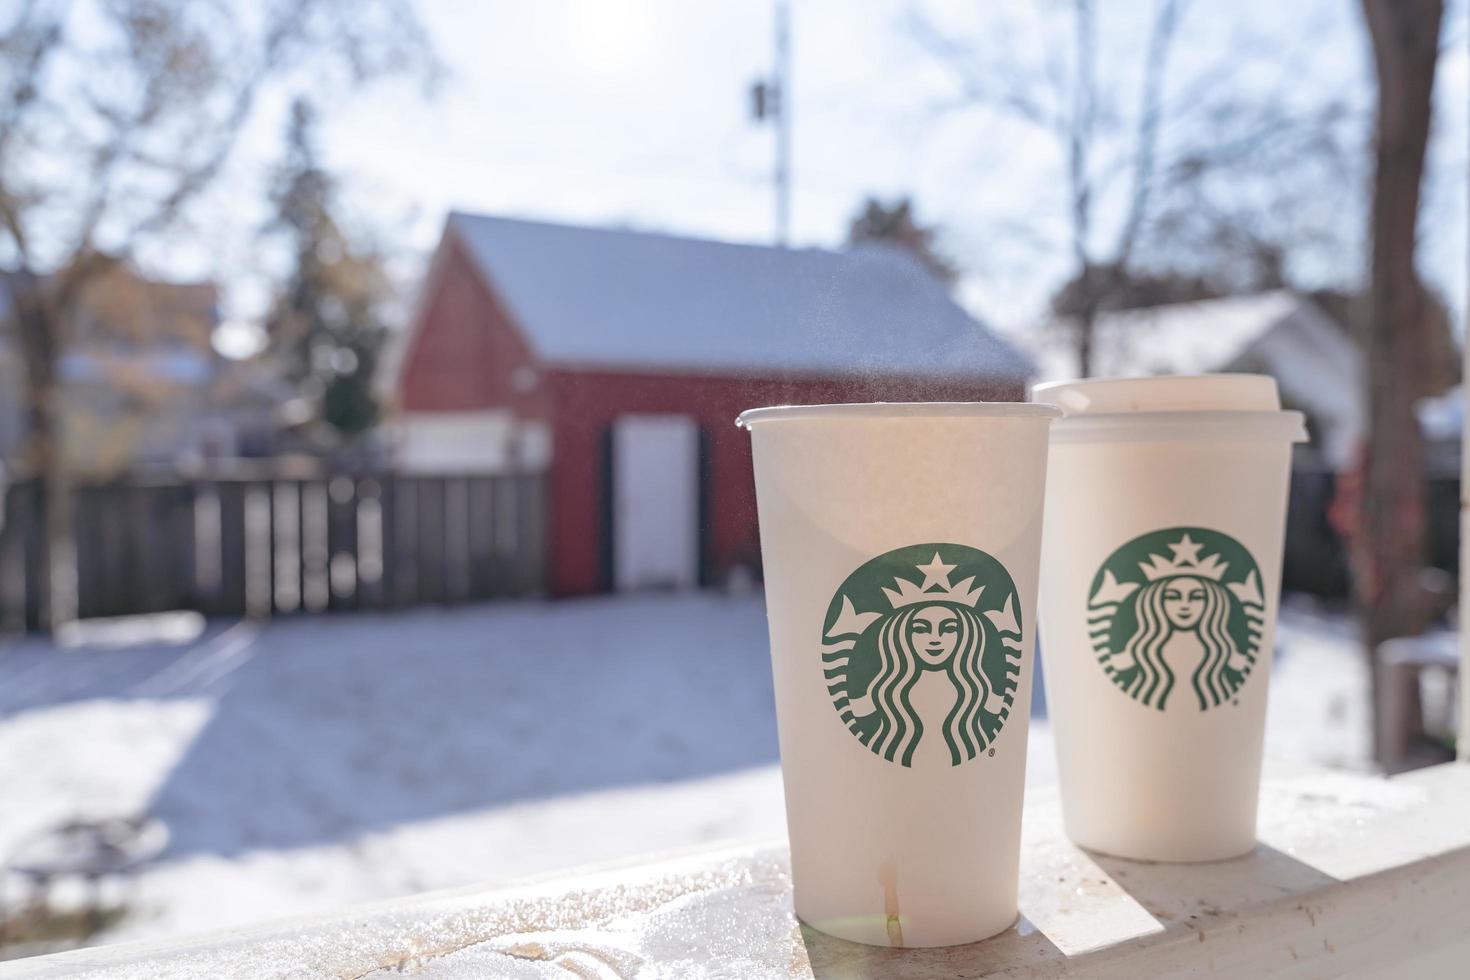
(1355, 876)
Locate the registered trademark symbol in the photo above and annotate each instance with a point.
(992, 751)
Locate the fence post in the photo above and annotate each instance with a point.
(15, 519)
(1463, 742)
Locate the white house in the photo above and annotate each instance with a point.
(1315, 362)
(141, 381)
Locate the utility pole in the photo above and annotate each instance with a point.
(770, 101)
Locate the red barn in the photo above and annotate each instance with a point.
(619, 359)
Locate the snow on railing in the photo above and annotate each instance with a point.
(1354, 875)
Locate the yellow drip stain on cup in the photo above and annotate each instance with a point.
(888, 878)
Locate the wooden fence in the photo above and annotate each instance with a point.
(266, 544)
(1316, 558)
(269, 545)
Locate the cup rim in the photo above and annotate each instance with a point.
(898, 410)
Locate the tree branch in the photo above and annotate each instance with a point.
(27, 46)
(193, 180)
(1001, 85)
(1166, 22)
(1080, 127)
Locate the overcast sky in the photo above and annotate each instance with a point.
(635, 112)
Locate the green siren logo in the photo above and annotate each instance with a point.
(1181, 603)
(942, 619)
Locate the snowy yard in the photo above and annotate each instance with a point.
(304, 764)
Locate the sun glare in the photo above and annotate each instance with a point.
(611, 38)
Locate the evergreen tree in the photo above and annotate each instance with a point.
(326, 326)
(895, 223)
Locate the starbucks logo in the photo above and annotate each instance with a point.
(1181, 604)
(941, 618)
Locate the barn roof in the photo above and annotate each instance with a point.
(598, 297)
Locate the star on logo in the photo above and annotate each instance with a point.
(1186, 551)
(1186, 561)
(936, 574)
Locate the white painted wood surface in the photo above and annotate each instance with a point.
(1355, 877)
(453, 442)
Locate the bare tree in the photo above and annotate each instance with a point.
(1399, 329)
(1065, 102)
(115, 117)
(1139, 166)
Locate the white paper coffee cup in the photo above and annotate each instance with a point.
(900, 545)
(1161, 570)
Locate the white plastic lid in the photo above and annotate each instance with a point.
(1178, 406)
(1165, 393)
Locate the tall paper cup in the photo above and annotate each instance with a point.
(900, 546)
(1161, 567)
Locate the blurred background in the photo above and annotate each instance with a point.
(374, 518)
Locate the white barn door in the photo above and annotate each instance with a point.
(655, 471)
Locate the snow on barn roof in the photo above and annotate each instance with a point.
(1179, 338)
(599, 297)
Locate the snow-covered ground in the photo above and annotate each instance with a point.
(304, 764)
